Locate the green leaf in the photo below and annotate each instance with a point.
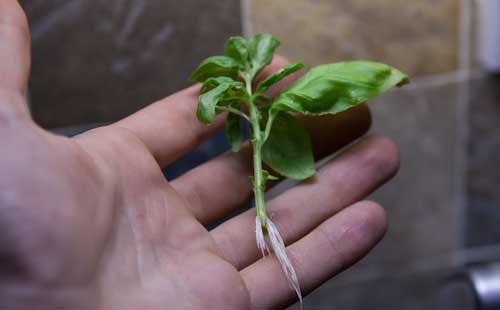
(288, 148)
(215, 66)
(237, 48)
(235, 93)
(261, 49)
(213, 82)
(218, 91)
(234, 130)
(268, 176)
(208, 101)
(278, 76)
(334, 88)
(263, 98)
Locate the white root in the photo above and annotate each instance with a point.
(279, 250)
(259, 236)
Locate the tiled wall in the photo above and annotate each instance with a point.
(100, 60)
(419, 37)
(96, 61)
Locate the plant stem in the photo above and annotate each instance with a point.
(257, 142)
(237, 112)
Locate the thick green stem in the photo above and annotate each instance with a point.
(257, 142)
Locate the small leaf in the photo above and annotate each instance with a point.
(215, 66)
(268, 176)
(208, 101)
(288, 148)
(334, 88)
(234, 130)
(213, 82)
(235, 92)
(278, 76)
(261, 49)
(237, 48)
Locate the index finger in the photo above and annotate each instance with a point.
(14, 47)
(169, 128)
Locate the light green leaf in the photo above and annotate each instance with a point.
(211, 83)
(261, 49)
(278, 76)
(237, 48)
(215, 66)
(235, 93)
(334, 88)
(234, 130)
(208, 101)
(266, 176)
(288, 148)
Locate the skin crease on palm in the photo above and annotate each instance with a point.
(91, 223)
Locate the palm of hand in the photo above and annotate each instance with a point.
(104, 218)
(90, 222)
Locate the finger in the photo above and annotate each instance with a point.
(14, 47)
(341, 241)
(346, 179)
(229, 172)
(169, 128)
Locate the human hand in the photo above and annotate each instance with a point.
(91, 223)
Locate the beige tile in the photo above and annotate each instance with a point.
(419, 37)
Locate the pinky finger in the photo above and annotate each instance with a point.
(330, 248)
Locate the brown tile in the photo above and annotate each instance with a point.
(483, 209)
(419, 37)
(97, 60)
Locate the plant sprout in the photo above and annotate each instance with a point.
(277, 138)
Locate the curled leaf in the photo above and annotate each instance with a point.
(334, 88)
(213, 82)
(208, 101)
(215, 66)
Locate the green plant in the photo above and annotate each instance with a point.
(278, 139)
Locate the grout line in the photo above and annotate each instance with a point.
(464, 35)
(246, 24)
(482, 254)
(462, 119)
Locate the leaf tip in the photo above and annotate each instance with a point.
(405, 80)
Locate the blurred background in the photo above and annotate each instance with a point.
(96, 61)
